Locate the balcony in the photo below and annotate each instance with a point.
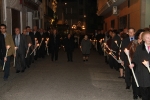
(33, 4)
(108, 6)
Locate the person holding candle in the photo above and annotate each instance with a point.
(141, 54)
(41, 48)
(115, 42)
(36, 34)
(125, 43)
(33, 41)
(2, 48)
(132, 48)
(21, 44)
(8, 42)
(28, 41)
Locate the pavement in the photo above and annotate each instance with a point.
(62, 80)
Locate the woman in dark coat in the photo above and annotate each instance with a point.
(69, 47)
(143, 76)
(132, 48)
(85, 48)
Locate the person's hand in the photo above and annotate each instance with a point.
(131, 66)
(122, 63)
(5, 59)
(14, 56)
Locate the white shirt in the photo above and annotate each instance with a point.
(146, 48)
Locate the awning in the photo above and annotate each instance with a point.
(108, 6)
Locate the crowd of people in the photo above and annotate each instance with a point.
(128, 51)
(28, 46)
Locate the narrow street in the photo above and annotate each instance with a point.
(62, 80)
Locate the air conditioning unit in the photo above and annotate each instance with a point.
(36, 15)
(115, 10)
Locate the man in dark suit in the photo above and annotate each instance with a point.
(29, 43)
(20, 43)
(69, 47)
(124, 58)
(8, 43)
(2, 48)
(41, 39)
(115, 42)
(36, 34)
(55, 44)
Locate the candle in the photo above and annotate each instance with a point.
(7, 48)
(29, 45)
(146, 63)
(127, 53)
(34, 49)
(15, 55)
(116, 43)
(41, 43)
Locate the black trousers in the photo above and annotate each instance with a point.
(136, 90)
(113, 63)
(41, 52)
(28, 59)
(145, 91)
(69, 55)
(100, 51)
(7, 68)
(54, 53)
(20, 61)
(128, 75)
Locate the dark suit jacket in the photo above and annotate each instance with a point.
(40, 39)
(142, 72)
(114, 46)
(54, 45)
(23, 44)
(33, 36)
(69, 45)
(123, 56)
(2, 46)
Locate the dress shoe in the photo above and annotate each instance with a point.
(5, 79)
(28, 66)
(135, 97)
(127, 87)
(23, 70)
(140, 96)
(17, 71)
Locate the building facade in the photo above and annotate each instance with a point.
(72, 13)
(22, 13)
(119, 14)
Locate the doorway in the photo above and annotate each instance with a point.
(15, 19)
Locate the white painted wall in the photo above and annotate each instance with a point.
(147, 13)
(29, 17)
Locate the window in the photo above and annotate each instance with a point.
(80, 11)
(128, 20)
(113, 24)
(123, 22)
